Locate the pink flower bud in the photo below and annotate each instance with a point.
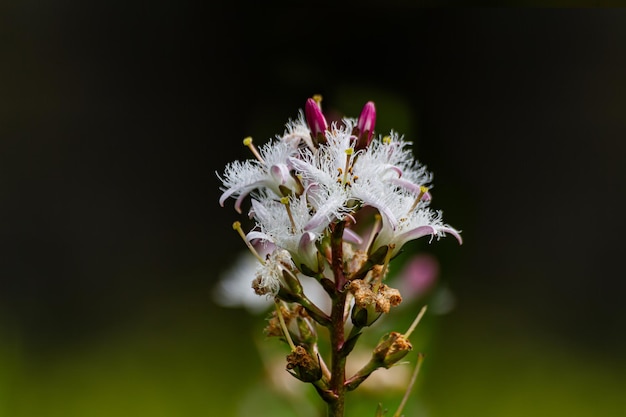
(365, 126)
(316, 121)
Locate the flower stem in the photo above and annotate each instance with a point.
(338, 358)
(420, 359)
(336, 405)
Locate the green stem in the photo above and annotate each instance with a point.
(420, 359)
(314, 311)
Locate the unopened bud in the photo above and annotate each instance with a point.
(364, 130)
(290, 288)
(364, 316)
(316, 121)
(306, 327)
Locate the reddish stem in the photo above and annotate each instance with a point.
(337, 336)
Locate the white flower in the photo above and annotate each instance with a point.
(270, 174)
(284, 225)
(409, 222)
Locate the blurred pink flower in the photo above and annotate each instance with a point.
(417, 277)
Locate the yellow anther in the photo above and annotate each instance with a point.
(349, 153)
(423, 190)
(285, 201)
(248, 142)
(318, 98)
(387, 139)
(237, 227)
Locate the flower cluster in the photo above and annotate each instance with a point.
(315, 175)
(333, 203)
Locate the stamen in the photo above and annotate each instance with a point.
(285, 201)
(423, 190)
(283, 326)
(349, 153)
(387, 140)
(318, 99)
(237, 227)
(248, 142)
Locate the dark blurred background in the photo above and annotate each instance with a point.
(115, 117)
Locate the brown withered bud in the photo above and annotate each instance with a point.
(363, 294)
(258, 288)
(386, 298)
(392, 347)
(383, 298)
(365, 311)
(371, 301)
(302, 365)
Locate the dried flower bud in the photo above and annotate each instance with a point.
(370, 302)
(387, 297)
(302, 365)
(392, 347)
(364, 311)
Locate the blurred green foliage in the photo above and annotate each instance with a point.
(190, 364)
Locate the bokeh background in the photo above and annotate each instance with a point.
(115, 117)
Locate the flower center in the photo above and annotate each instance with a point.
(345, 176)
